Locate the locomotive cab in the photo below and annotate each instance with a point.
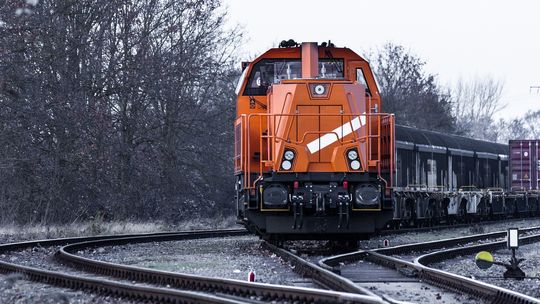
(313, 153)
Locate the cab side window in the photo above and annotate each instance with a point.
(361, 79)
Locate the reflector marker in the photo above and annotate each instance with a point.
(330, 138)
(484, 260)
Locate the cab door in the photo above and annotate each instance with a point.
(306, 124)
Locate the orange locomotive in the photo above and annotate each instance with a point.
(313, 152)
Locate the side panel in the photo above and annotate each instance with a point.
(463, 167)
(504, 175)
(492, 172)
(433, 168)
(487, 172)
(405, 167)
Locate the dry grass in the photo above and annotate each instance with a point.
(11, 232)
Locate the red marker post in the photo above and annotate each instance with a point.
(251, 276)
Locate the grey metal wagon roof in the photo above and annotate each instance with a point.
(438, 139)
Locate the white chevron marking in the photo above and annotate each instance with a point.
(342, 131)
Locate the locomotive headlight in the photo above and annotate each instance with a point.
(289, 155)
(286, 165)
(352, 155)
(355, 165)
(367, 195)
(319, 89)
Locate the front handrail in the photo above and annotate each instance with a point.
(381, 119)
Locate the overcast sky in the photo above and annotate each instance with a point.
(456, 38)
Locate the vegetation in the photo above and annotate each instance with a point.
(468, 108)
(475, 104)
(406, 89)
(526, 127)
(115, 108)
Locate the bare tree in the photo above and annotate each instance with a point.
(115, 107)
(409, 92)
(526, 127)
(474, 105)
(513, 129)
(531, 120)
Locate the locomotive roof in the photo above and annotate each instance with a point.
(438, 139)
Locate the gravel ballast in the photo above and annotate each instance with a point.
(229, 257)
(14, 289)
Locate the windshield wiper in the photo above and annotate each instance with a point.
(334, 61)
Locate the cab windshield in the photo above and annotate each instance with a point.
(270, 71)
(330, 68)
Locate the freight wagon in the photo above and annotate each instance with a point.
(443, 178)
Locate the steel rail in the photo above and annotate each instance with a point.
(395, 231)
(323, 276)
(69, 240)
(245, 289)
(160, 295)
(330, 263)
(102, 286)
(435, 257)
(438, 277)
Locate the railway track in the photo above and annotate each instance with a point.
(161, 286)
(436, 227)
(436, 251)
(104, 286)
(329, 278)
